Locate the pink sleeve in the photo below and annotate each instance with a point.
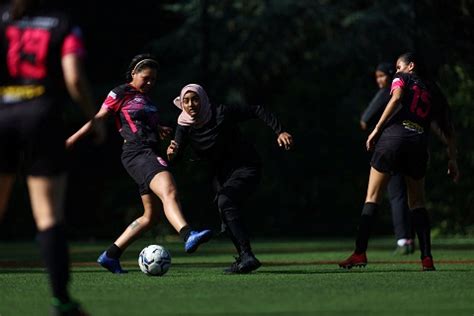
(397, 83)
(112, 103)
(73, 44)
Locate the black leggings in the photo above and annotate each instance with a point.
(232, 189)
(397, 193)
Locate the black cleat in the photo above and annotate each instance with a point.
(245, 263)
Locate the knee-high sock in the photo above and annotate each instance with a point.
(54, 250)
(234, 223)
(365, 226)
(421, 224)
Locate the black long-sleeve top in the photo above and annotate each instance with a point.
(374, 110)
(220, 140)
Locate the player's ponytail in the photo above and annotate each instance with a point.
(412, 57)
(140, 62)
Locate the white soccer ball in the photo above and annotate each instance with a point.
(154, 260)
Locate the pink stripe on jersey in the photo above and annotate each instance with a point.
(130, 122)
(397, 83)
(73, 44)
(111, 102)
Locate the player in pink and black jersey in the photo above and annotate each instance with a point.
(41, 54)
(136, 118)
(400, 145)
(396, 187)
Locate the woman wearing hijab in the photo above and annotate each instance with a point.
(212, 132)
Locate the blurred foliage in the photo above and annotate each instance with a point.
(309, 61)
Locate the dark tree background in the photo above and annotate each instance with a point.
(309, 61)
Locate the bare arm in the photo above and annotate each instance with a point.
(389, 110)
(451, 149)
(88, 127)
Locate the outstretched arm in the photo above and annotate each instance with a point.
(88, 127)
(284, 139)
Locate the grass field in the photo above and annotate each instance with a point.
(298, 277)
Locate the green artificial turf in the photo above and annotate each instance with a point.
(298, 277)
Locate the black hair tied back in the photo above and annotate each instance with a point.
(412, 57)
(140, 62)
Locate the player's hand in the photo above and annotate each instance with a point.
(372, 139)
(164, 131)
(172, 150)
(69, 143)
(363, 125)
(285, 140)
(453, 170)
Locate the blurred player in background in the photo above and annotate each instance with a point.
(41, 53)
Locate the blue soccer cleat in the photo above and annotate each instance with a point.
(113, 265)
(195, 239)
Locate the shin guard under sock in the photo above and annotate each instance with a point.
(365, 226)
(54, 251)
(421, 224)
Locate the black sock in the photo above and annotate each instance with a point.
(239, 236)
(421, 224)
(365, 227)
(235, 242)
(185, 232)
(54, 251)
(114, 252)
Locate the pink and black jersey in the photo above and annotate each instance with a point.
(422, 102)
(416, 103)
(31, 50)
(136, 115)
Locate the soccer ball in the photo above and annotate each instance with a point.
(154, 260)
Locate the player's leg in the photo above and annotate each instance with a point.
(397, 194)
(230, 197)
(6, 184)
(110, 259)
(420, 219)
(164, 186)
(377, 183)
(47, 197)
(151, 207)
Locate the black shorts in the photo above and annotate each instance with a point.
(142, 165)
(32, 136)
(404, 155)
